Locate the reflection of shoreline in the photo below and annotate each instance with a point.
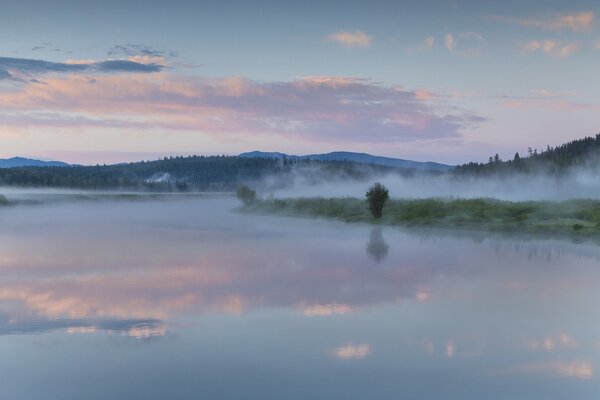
(235, 285)
(145, 261)
(135, 328)
(480, 235)
(543, 219)
(535, 246)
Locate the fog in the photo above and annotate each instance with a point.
(181, 291)
(147, 257)
(203, 243)
(582, 183)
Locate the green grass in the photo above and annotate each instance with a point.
(577, 217)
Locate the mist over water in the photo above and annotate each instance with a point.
(582, 183)
(160, 297)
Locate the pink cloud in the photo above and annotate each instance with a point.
(553, 102)
(429, 42)
(578, 22)
(450, 41)
(424, 94)
(550, 47)
(470, 44)
(313, 108)
(351, 39)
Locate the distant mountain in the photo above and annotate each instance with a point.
(266, 154)
(16, 162)
(209, 173)
(356, 157)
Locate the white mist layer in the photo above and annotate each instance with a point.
(515, 188)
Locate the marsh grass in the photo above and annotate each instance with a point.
(578, 217)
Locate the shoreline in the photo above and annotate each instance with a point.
(576, 218)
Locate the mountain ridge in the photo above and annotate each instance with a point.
(16, 162)
(364, 158)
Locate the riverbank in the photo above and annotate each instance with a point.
(579, 216)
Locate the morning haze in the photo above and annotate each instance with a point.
(324, 200)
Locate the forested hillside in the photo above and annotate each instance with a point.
(214, 173)
(226, 173)
(556, 160)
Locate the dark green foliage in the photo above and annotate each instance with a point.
(580, 216)
(377, 196)
(198, 173)
(583, 152)
(246, 195)
(425, 210)
(184, 173)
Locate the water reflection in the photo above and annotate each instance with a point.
(350, 351)
(377, 248)
(579, 369)
(273, 303)
(138, 328)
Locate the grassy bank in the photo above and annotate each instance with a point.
(581, 217)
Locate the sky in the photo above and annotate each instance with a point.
(450, 81)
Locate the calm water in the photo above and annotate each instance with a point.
(184, 299)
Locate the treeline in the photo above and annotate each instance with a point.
(582, 152)
(205, 173)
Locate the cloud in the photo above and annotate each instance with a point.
(424, 94)
(542, 98)
(426, 44)
(550, 47)
(429, 42)
(351, 39)
(580, 22)
(450, 42)
(46, 46)
(4, 74)
(142, 54)
(312, 108)
(137, 49)
(549, 103)
(18, 67)
(468, 44)
(125, 66)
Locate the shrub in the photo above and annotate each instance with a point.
(422, 211)
(376, 199)
(246, 195)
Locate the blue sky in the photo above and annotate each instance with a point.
(441, 80)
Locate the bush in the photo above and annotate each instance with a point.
(246, 195)
(422, 211)
(376, 198)
(577, 227)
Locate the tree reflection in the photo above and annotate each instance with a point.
(377, 248)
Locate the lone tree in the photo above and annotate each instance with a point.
(376, 198)
(246, 195)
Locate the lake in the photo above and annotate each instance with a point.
(182, 297)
